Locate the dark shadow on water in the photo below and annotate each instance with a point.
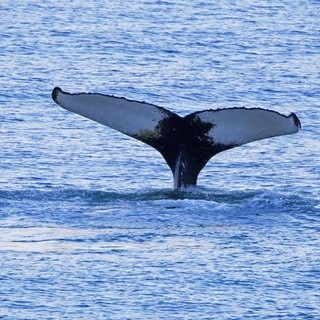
(198, 193)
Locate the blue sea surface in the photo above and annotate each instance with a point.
(89, 225)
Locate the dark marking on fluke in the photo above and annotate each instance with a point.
(186, 143)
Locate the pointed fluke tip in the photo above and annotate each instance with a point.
(296, 120)
(55, 93)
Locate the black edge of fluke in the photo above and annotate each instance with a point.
(296, 120)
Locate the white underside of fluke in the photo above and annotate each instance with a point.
(126, 116)
(237, 126)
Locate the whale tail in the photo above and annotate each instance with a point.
(186, 143)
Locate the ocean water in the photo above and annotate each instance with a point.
(89, 225)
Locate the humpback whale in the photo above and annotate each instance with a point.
(186, 143)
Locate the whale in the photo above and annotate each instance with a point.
(186, 143)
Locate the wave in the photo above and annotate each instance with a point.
(94, 216)
(252, 198)
(194, 193)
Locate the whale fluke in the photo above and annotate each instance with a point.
(186, 143)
